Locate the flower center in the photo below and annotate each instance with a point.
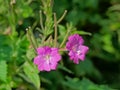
(48, 58)
(78, 52)
(76, 49)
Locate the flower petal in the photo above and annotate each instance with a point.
(53, 66)
(36, 60)
(83, 49)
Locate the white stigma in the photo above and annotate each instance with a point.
(47, 58)
(78, 52)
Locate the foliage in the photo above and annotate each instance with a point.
(98, 21)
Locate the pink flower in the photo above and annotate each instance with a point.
(47, 58)
(77, 50)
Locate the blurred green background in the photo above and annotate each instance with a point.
(100, 70)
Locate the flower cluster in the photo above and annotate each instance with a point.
(48, 57)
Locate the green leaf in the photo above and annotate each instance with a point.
(5, 49)
(27, 11)
(87, 68)
(30, 54)
(65, 69)
(82, 33)
(107, 46)
(62, 30)
(115, 7)
(3, 71)
(32, 73)
(84, 84)
(5, 87)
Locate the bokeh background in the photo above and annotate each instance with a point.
(101, 69)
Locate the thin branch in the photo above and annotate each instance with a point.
(65, 38)
(41, 20)
(55, 34)
(30, 39)
(33, 37)
(61, 18)
(49, 40)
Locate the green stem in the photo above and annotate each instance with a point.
(33, 37)
(61, 18)
(30, 39)
(64, 40)
(12, 18)
(55, 34)
(41, 21)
